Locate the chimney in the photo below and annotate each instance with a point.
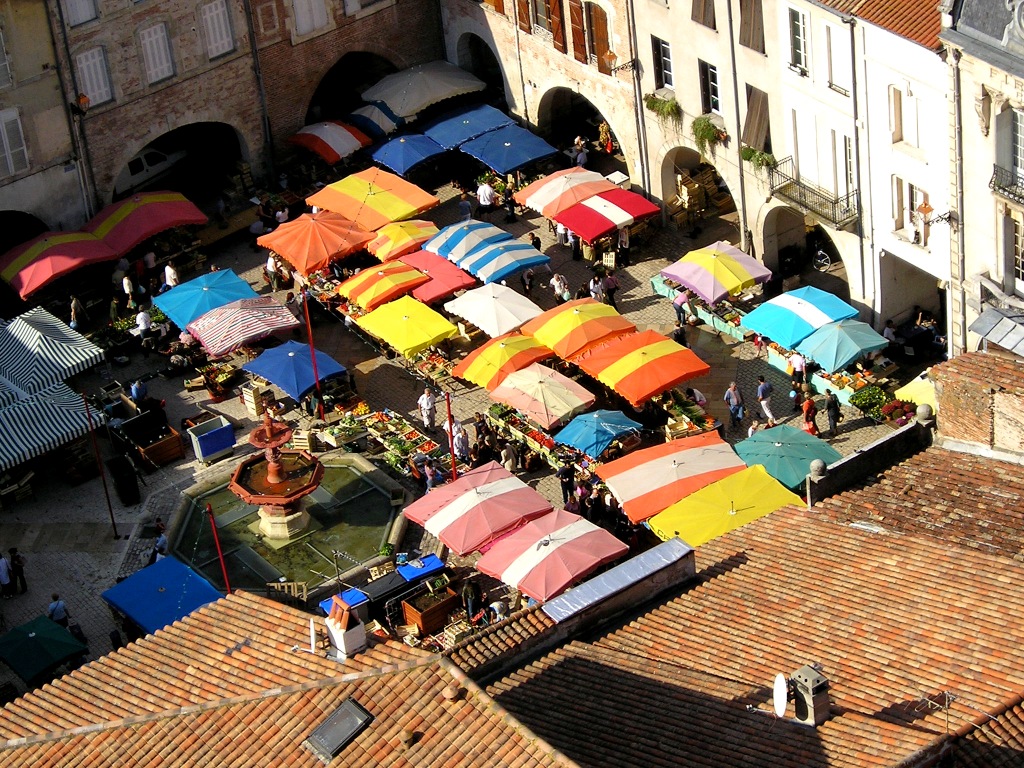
(345, 630)
(810, 691)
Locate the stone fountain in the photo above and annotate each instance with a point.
(277, 480)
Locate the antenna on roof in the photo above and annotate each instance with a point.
(780, 695)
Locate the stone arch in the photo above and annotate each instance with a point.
(477, 55)
(337, 91)
(17, 227)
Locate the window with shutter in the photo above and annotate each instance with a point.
(13, 154)
(156, 53)
(523, 15)
(542, 15)
(497, 5)
(752, 25)
(703, 12)
(5, 64)
(756, 126)
(93, 78)
(576, 29)
(709, 93)
(837, 43)
(662, 63)
(80, 11)
(310, 15)
(897, 202)
(798, 50)
(217, 23)
(597, 25)
(558, 26)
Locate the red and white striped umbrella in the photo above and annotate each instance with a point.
(333, 140)
(478, 507)
(545, 556)
(605, 212)
(229, 327)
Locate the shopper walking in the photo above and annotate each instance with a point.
(764, 396)
(734, 399)
(17, 562)
(58, 611)
(428, 409)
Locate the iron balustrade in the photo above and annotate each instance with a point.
(838, 210)
(1008, 182)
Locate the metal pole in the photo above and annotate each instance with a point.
(216, 543)
(99, 465)
(451, 433)
(312, 356)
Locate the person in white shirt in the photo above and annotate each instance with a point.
(428, 409)
(149, 261)
(486, 196)
(560, 287)
(143, 322)
(272, 273)
(798, 364)
(597, 288)
(889, 332)
(170, 275)
(126, 285)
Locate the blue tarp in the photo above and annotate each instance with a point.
(508, 148)
(161, 594)
(186, 302)
(290, 367)
(459, 127)
(593, 432)
(403, 153)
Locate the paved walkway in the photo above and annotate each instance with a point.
(65, 532)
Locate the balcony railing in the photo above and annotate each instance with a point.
(1008, 183)
(838, 210)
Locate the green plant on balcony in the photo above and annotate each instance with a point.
(758, 158)
(706, 134)
(667, 109)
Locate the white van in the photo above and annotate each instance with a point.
(146, 167)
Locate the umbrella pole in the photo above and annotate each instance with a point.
(99, 465)
(220, 552)
(312, 357)
(451, 433)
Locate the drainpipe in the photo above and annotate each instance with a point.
(519, 61)
(960, 240)
(852, 21)
(268, 140)
(744, 241)
(638, 105)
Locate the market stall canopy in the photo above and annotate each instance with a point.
(455, 241)
(37, 350)
(39, 423)
(592, 433)
(507, 149)
(576, 326)
(561, 190)
(314, 240)
(412, 90)
(480, 505)
(606, 212)
(494, 309)
(786, 453)
(495, 262)
(34, 650)
(400, 237)
(127, 223)
(290, 367)
(546, 555)
(331, 140)
(792, 317)
(488, 365)
(225, 329)
(373, 287)
(919, 391)
(723, 506)
(190, 301)
(403, 153)
(373, 198)
(33, 264)
(542, 395)
(459, 127)
(376, 120)
(716, 271)
(680, 467)
(639, 366)
(444, 277)
(161, 594)
(835, 345)
(407, 325)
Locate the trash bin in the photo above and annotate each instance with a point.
(126, 483)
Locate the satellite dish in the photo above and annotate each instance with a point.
(780, 695)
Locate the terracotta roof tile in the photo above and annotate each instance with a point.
(499, 640)
(917, 20)
(988, 371)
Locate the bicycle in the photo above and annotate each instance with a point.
(822, 261)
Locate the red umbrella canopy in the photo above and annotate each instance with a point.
(445, 277)
(127, 223)
(226, 328)
(31, 265)
(605, 212)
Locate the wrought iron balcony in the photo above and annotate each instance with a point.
(1008, 183)
(837, 210)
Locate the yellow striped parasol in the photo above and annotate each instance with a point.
(400, 237)
(488, 365)
(373, 198)
(373, 287)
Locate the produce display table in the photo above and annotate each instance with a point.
(685, 417)
(402, 440)
(725, 317)
(510, 423)
(842, 383)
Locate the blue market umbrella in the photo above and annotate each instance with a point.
(403, 153)
(506, 149)
(290, 367)
(161, 594)
(456, 128)
(188, 301)
(835, 345)
(792, 317)
(34, 650)
(494, 262)
(592, 433)
(786, 453)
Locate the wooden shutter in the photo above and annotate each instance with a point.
(598, 21)
(755, 127)
(752, 25)
(558, 26)
(579, 38)
(523, 12)
(497, 5)
(703, 12)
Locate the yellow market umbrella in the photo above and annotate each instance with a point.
(488, 365)
(576, 326)
(919, 391)
(373, 198)
(407, 325)
(723, 506)
(373, 287)
(400, 237)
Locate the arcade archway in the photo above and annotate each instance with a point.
(338, 92)
(694, 192)
(476, 56)
(16, 227)
(564, 114)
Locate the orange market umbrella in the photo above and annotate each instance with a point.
(373, 198)
(313, 240)
(401, 237)
(642, 365)
(562, 190)
(373, 287)
(488, 365)
(127, 223)
(576, 326)
(543, 395)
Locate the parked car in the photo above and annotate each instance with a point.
(148, 166)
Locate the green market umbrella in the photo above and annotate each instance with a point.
(835, 345)
(786, 453)
(34, 650)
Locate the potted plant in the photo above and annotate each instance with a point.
(870, 401)
(706, 133)
(758, 158)
(667, 108)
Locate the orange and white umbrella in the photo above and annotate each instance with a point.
(400, 237)
(313, 240)
(373, 287)
(641, 365)
(373, 198)
(576, 326)
(332, 140)
(488, 365)
(561, 190)
(649, 481)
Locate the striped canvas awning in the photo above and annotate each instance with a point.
(37, 351)
(40, 423)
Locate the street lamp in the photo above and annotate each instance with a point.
(610, 57)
